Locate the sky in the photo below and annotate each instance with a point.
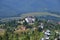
(14, 7)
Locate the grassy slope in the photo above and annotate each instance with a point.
(39, 14)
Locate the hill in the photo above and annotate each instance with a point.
(42, 15)
(39, 14)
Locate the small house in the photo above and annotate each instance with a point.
(30, 19)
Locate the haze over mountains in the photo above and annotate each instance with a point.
(14, 7)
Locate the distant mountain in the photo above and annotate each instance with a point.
(13, 7)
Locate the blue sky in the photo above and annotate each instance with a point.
(14, 7)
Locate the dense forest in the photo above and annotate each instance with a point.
(12, 30)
